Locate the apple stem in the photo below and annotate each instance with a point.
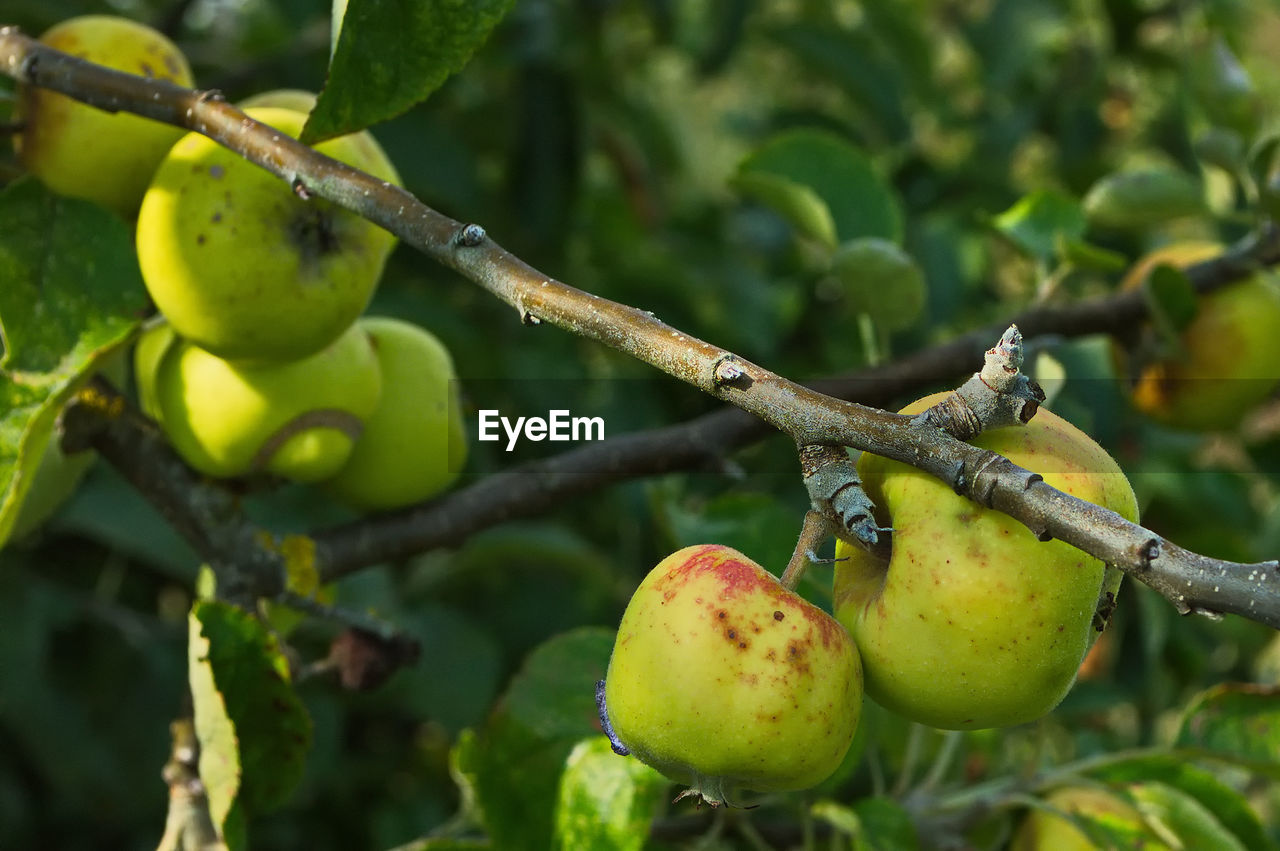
(815, 530)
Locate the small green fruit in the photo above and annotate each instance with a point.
(414, 444)
(243, 267)
(85, 152)
(723, 679)
(1141, 198)
(973, 622)
(297, 419)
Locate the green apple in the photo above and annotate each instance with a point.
(79, 150)
(1230, 359)
(414, 444)
(298, 419)
(722, 679)
(972, 622)
(243, 267)
(1113, 821)
(299, 100)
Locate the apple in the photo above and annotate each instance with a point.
(299, 100)
(243, 267)
(1114, 821)
(414, 444)
(1230, 358)
(972, 622)
(298, 419)
(723, 679)
(86, 152)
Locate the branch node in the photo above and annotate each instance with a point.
(999, 395)
(210, 96)
(300, 189)
(470, 236)
(526, 316)
(727, 370)
(1147, 552)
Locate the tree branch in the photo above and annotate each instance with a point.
(807, 416)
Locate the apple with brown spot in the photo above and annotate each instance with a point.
(723, 679)
(973, 622)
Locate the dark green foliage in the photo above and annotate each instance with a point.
(730, 166)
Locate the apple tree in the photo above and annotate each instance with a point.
(359, 366)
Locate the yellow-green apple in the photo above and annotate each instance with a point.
(972, 622)
(724, 680)
(79, 150)
(299, 100)
(1113, 821)
(297, 419)
(245, 268)
(414, 444)
(1230, 358)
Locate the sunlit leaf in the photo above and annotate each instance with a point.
(1039, 221)
(254, 732)
(390, 56)
(606, 801)
(70, 292)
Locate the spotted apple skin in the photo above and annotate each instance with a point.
(722, 679)
(972, 622)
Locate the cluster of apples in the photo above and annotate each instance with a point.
(262, 362)
(724, 680)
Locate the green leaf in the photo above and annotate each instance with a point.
(254, 732)
(1171, 297)
(510, 768)
(1085, 255)
(390, 56)
(606, 801)
(858, 200)
(795, 202)
(1220, 147)
(1140, 198)
(880, 279)
(1236, 721)
(838, 816)
(1223, 87)
(1169, 809)
(71, 294)
(886, 826)
(1039, 222)
(1176, 769)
